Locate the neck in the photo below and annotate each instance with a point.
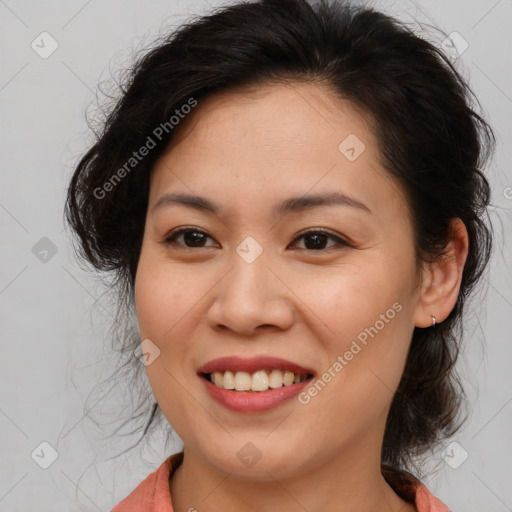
(341, 484)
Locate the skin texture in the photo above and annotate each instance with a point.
(248, 149)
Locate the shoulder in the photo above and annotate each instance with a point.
(153, 493)
(427, 502)
(410, 489)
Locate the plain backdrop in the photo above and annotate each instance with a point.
(52, 321)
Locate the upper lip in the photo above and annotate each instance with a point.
(253, 364)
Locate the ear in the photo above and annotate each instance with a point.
(441, 279)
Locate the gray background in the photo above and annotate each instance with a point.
(52, 317)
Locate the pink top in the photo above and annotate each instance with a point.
(153, 493)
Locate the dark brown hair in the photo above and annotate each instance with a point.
(430, 138)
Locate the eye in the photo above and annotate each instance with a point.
(196, 238)
(317, 239)
(193, 236)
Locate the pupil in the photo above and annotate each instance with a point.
(317, 244)
(193, 237)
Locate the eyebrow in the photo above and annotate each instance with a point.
(292, 204)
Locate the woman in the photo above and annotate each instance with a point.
(290, 195)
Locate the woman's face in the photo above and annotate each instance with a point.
(247, 281)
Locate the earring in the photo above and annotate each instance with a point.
(433, 320)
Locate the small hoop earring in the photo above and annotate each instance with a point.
(433, 320)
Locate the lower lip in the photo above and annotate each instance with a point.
(257, 401)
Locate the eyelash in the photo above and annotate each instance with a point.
(170, 240)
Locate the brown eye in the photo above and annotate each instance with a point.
(192, 237)
(315, 240)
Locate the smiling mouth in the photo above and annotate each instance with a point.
(255, 382)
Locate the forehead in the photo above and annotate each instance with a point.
(262, 142)
(289, 118)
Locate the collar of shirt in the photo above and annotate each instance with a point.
(153, 493)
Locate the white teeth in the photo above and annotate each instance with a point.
(217, 378)
(258, 381)
(228, 381)
(288, 378)
(242, 381)
(275, 379)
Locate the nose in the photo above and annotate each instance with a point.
(251, 298)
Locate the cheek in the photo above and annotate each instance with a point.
(368, 314)
(352, 299)
(161, 304)
(163, 294)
